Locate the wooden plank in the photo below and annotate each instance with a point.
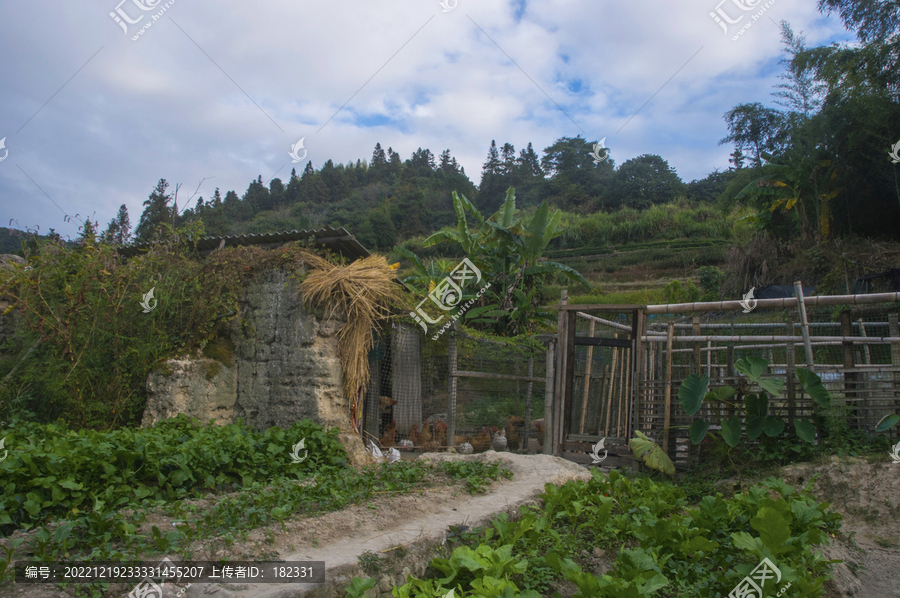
(587, 382)
(468, 374)
(603, 342)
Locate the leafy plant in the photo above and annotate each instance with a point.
(751, 411)
(507, 250)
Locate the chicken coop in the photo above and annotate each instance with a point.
(473, 394)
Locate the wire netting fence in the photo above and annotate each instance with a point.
(412, 404)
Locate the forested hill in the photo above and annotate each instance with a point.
(386, 199)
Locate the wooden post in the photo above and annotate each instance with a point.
(638, 326)
(849, 377)
(451, 407)
(790, 372)
(548, 395)
(695, 367)
(667, 417)
(798, 290)
(555, 421)
(566, 423)
(587, 380)
(528, 390)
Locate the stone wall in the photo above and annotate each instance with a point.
(274, 365)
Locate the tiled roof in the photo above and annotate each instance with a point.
(336, 239)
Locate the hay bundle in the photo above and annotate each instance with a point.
(363, 291)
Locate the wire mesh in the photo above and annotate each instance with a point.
(409, 401)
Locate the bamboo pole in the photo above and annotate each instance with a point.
(609, 395)
(552, 419)
(676, 308)
(587, 380)
(603, 391)
(695, 324)
(776, 338)
(804, 323)
(862, 333)
(667, 417)
(620, 395)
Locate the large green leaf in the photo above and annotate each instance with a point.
(812, 384)
(757, 404)
(773, 426)
(887, 422)
(774, 527)
(411, 256)
(805, 429)
(755, 426)
(731, 431)
(754, 367)
(722, 394)
(692, 391)
(651, 454)
(698, 430)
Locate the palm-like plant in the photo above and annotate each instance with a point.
(507, 250)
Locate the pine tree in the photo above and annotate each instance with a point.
(118, 231)
(156, 213)
(529, 163)
(508, 156)
(378, 157)
(492, 165)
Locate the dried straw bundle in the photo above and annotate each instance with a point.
(363, 291)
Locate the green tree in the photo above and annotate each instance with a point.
(507, 251)
(646, 180)
(156, 213)
(118, 231)
(754, 128)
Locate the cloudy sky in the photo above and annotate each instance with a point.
(94, 113)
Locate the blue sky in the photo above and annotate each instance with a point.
(93, 118)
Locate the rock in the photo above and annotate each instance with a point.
(599, 553)
(356, 451)
(8, 259)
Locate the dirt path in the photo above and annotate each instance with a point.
(867, 495)
(340, 538)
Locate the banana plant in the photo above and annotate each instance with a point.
(507, 250)
(752, 409)
(802, 184)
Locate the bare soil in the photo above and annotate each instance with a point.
(407, 531)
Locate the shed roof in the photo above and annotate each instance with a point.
(336, 239)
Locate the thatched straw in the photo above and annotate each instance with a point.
(363, 291)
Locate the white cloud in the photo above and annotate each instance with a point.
(162, 107)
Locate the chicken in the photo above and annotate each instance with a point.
(405, 445)
(389, 439)
(458, 440)
(514, 428)
(539, 430)
(482, 442)
(432, 446)
(386, 407)
(499, 443)
(425, 434)
(414, 434)
(440, 432)
(464, 448)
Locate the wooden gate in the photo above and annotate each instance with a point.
(595, 382)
